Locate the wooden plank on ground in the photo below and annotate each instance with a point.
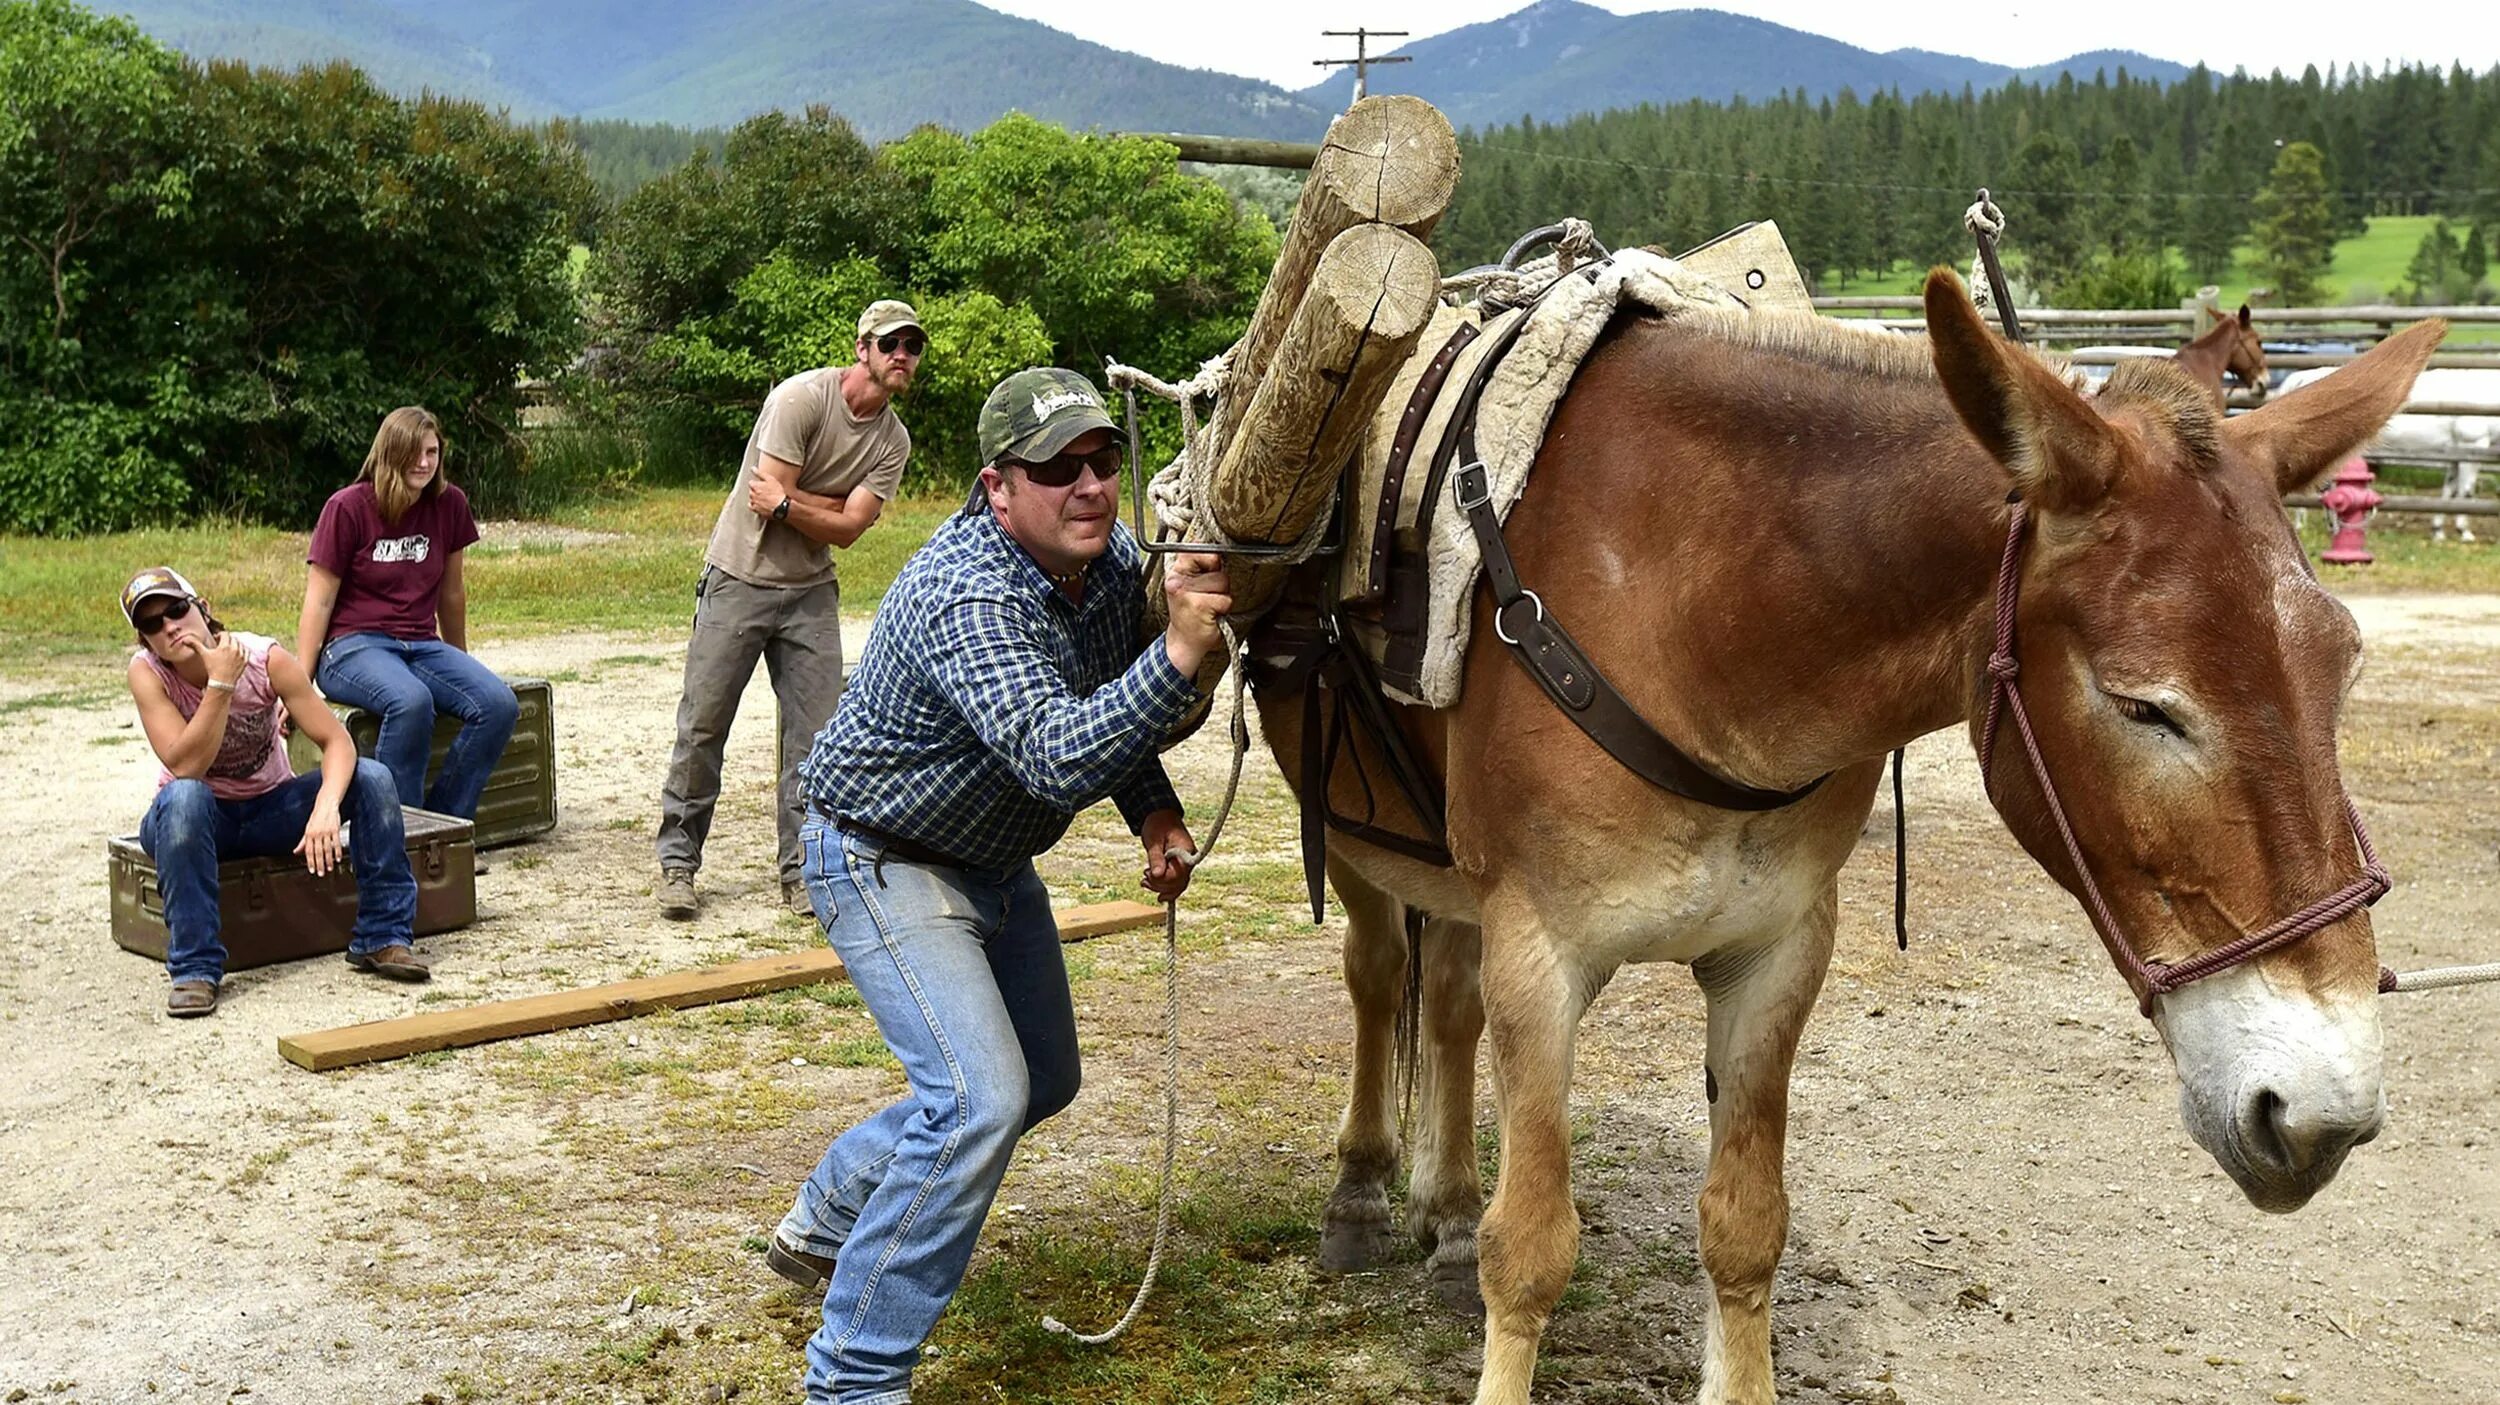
(321, 1050)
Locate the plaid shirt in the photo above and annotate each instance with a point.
(988, 708)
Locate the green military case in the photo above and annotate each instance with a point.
(273, 909)
(520, 798)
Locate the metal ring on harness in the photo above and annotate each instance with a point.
(1532, 598)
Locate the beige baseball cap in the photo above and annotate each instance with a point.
(155, 580)
(886, 315)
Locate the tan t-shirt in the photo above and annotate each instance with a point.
(805, 421)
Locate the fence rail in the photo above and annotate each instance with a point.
(2181, 316)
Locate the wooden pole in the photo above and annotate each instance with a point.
(1389, 160)
(1238, 151)
(1371, 293)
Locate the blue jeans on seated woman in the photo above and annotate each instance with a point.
(962, 969)
(189, 831)
(406, 682)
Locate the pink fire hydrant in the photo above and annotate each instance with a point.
(2351, 500)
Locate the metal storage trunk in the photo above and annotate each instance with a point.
(520, 798)
(273, 909)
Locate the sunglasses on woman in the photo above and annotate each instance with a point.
(152, 625)
(912, 342)
(1061, 471)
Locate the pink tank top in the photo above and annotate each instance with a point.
(252, 759)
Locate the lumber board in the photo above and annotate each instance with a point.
(372, 1042)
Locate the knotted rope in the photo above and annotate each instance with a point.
(1502, 286)
(1172, 1019)
(1984, 221)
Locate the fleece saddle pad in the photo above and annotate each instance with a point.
(1432, 541)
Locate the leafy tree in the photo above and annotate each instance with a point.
(214, 281)
(2295, 234)
(1119, 253)
(2437, 274)
(2042, 205)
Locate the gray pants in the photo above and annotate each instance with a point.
(798, 633)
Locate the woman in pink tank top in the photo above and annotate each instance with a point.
(209, 699)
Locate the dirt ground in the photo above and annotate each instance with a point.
(1993, 1197)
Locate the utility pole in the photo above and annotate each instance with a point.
(1363, 57)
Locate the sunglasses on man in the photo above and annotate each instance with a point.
(151, 625)
(1061, 471)
(912, 342)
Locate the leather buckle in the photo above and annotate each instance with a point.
(1473, 487)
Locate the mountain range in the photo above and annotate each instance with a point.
(890, 65)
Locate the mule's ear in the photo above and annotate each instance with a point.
(2245, 317)
(2299, 436)
(2062, 455)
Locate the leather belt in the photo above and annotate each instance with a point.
(895, 846)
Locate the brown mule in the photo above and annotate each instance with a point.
(2231, 347)
(1818, 591)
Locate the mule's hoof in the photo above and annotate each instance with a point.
(1454, 1283)
(1351, 1246)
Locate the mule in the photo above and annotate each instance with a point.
(1819, 590)
(2230, 348)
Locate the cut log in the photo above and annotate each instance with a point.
(567, 1009)
(1389, 160)
(1370, 296)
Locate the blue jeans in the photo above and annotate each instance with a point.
(188, 831)
(406, 682)
(962, 969)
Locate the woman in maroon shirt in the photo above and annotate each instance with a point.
(386, 616)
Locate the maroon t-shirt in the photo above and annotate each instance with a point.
(389, 573)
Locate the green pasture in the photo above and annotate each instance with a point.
(2372, 263)
(625, 563)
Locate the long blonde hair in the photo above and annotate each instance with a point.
(396, 447)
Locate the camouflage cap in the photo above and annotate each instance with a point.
(886, 315)
(1034, 414)
(155, 580)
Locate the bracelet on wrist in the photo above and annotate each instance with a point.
(222, 687)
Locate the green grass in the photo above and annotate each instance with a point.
(57, 596)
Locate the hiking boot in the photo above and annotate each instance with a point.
(396, 962)
(189, 1000)
(677, 900)
(808, 1271)
(794, 897)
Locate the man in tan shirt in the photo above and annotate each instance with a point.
(826, 455)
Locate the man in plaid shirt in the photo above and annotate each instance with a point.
(1001, 691)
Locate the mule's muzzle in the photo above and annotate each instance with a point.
(2287, 1150)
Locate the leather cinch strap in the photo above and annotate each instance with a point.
(1549, 654)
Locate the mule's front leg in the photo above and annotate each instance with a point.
(1354, 1230)
(1531, 1236)
(1444, 1193)
(1759, 998)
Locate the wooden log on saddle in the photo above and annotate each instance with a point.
(1389, 160)
(1369, 299)
(1353, 287)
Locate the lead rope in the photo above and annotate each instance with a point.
(1172, 1020)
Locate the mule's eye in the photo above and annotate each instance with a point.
(2148, 714)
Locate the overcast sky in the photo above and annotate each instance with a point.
(1277, 39)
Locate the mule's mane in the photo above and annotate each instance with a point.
(1830, 343)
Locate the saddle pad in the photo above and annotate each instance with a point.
(1518, 401)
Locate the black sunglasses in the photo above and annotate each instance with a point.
(912, 342)
(1061, 471)
(150, 626)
